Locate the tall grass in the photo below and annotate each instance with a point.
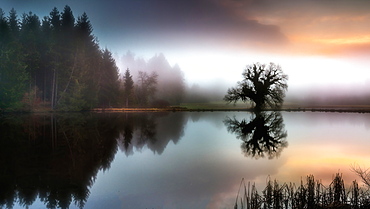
(310, 194)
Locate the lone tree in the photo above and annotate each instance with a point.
(263, 85)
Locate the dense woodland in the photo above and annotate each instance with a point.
(56, 63)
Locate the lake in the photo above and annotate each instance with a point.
(170, 159)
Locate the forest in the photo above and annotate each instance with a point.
(56, 63)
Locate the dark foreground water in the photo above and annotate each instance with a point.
(170, 160)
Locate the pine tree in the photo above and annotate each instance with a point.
(128, 85)
(109, 83)
(30, 40)
(4, 30)
(90, 59)
(13, 23)
(55, 54)
(13, 78)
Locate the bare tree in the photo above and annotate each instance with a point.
(264, 85)
(363, 173)
(147, 86)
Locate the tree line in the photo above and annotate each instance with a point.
(56, 62)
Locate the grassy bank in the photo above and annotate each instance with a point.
(310, 194)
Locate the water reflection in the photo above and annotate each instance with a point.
(153, 131)
(56, 158)
(169, 160)
(262, 135)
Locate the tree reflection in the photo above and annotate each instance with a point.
(153, 131)
(53, 157)
(56, 157)
(262, 135)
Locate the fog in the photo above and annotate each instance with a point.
(170, 81)
(177, 84)
(172, 85)
(329, 95)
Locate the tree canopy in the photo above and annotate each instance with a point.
(263, 85)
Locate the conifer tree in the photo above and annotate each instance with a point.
(128, 86)
(109, 83)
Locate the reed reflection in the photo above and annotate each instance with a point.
(57, 157)
(262, 135)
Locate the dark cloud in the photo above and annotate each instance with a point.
(197, 22)
(162, 23)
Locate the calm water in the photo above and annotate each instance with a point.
(170, 160)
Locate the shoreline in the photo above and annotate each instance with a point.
(239, 108)
(175, 109)
(210, 108)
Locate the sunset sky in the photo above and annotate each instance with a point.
(323, 45)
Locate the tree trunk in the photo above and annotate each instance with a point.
(53, 92)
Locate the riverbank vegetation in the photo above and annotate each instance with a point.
(311, 194)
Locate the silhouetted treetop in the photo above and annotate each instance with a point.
(55, 21)
(84, 27)
(68, 20)
(13, 22)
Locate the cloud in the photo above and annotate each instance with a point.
(164, 24)
(200, 23)
(318, 27)
(313, 26)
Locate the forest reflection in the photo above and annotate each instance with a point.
(263, 134)
(56, 157)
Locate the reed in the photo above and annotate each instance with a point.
(310, 194)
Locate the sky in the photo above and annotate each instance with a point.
(323, 45)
